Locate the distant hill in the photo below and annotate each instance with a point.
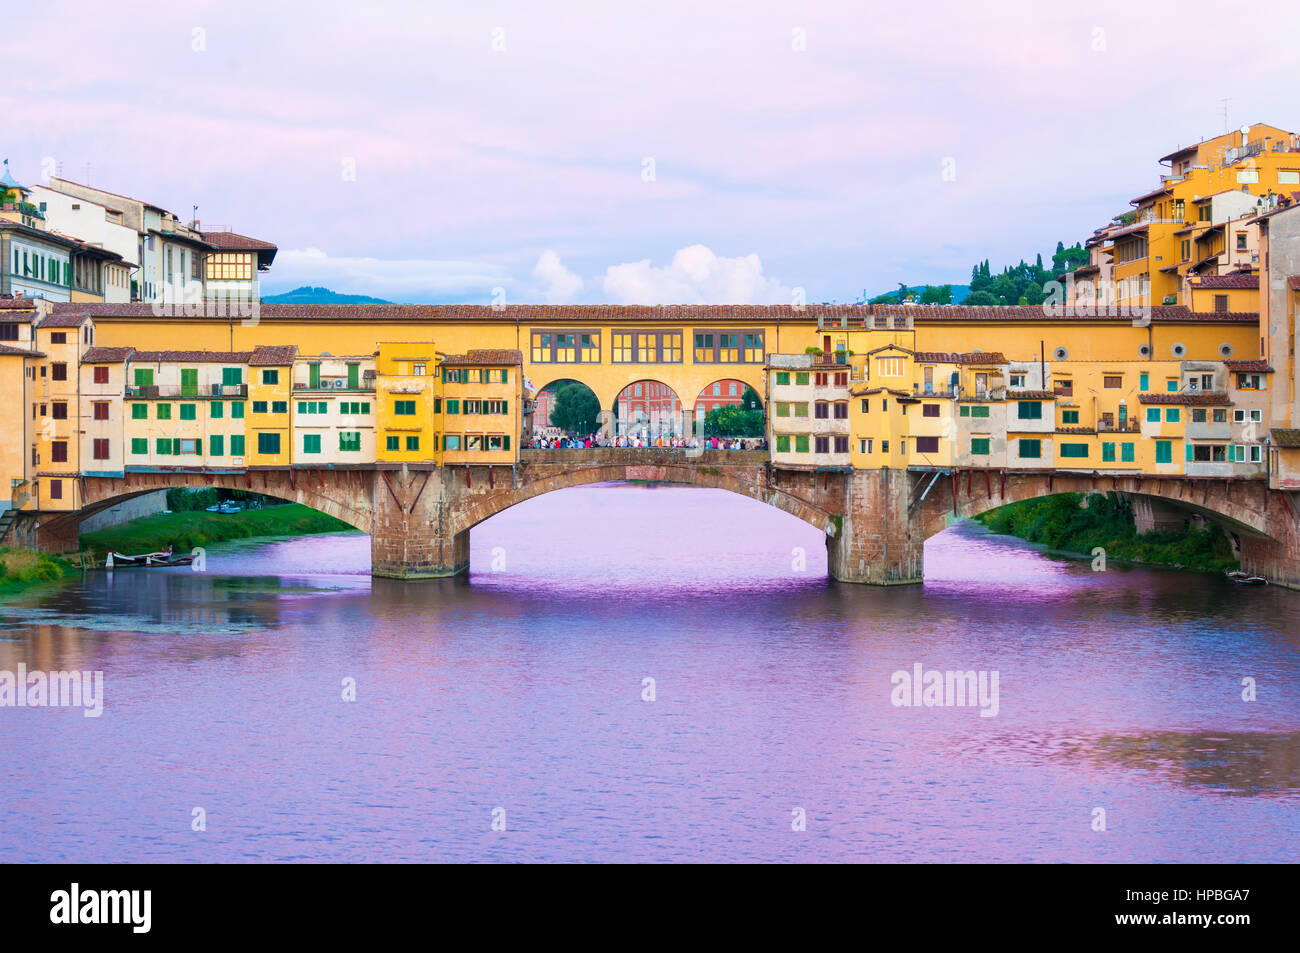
(306, 295)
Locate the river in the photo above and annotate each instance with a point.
(519, 698)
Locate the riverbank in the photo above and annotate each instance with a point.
(23, 569)
(1062, 524)
(183, 531)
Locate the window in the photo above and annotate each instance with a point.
(782, 443)
(566, 347)
(449, 442)
(1069, 416)
(1017, 380)
(231, 376)
(646, 347)
(1126, 453)
(1164, 451)
(237, 445)
(927, 444)
(259, 406)
(164, 412)
(99, 449)
(58, 372)
(215, 410)
(453, 406)
(929, 410)
(1031, 449)
(819, 380)
(99, 410)
(821, 410)
(268, 443)
(866, 405)
(889, 366)
(392, 443)
(1171, 385)
(162, 446)
(139, 446)
(412, 443)
(1112, 380)
(1153, 415)
(237, 408)
(406, 408)
(311, 443)
(189, 411)
(1198, 415)
(864, 445)
(841, 444)
(801, 377)
(184, 446)
(822, 445)
(1144, 382)
(783, 377)
(101, 375)
(1256, 453)
(1074, 450)
(350, 440)
(783, 410)
(59, 410)
(279, 406)
(800, 410)
(801, 443)
(841, 410)
(1064, 388)
(419, 368)
(270, 377)
(1250, 382)
(216, 445)
(728, 347)
(884, 446)
(56, 489)
(1171, 415)
(1029, 410)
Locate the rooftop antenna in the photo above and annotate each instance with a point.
(1225, 102)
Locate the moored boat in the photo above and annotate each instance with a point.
(158, 559)
(1246, 579)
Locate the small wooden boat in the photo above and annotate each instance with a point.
(1246, 579)
(159, 559)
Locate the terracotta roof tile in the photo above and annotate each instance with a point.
(191, 357)
(486, 356)
(1249, 366)
(1239, 280)
(1032, 395)
(106, 355)
(236, 241)
(65, 319)
(1293, 282)
(979, 358)
(278, 355)
(7, 349)
(1289, 439)
(1185, 398)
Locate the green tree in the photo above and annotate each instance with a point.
(733, 421)
(576, 409)
(937, 295)
(750, 400)
(981, 298)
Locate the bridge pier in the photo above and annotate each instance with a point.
(876, 542)
(412, 534)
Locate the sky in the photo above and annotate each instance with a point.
(630, 152)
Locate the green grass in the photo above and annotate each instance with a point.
(21, 569)
(1059, 522)
(186, 530)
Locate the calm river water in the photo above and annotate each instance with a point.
(518, 696)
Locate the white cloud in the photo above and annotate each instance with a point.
(696, 276)
(414, 280)
(559, 284)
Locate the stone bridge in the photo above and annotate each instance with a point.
(875, 521)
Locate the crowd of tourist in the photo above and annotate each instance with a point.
(662, 442)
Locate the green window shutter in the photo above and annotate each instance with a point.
(365, 407)
(232, 376)
(1171, 386)
(1074, 450)
(237, 445)
(1144, 382)
(189, 412)
(164, 411)
(139, 445)
(801, 443)
(162, 446)
(354, 376)
(143, 377)
(505, 441)
(176, 446)
(1029, 410)
(980, 412)
(391, 443)
(189, 381)
(1069, 416)
(237, 408)
(311, 443)
(216, 445)
(1171, 415)
(964, 410)
(139, 411)
(215, 411)
(453, 406)
(783, 377)
(412, 443)
(271, 377)
(505, 406)
(1189, 453)
(1031, 449)
(1153, 415)
(1164, 451)
(1126, 453)
(1107, 453)
(783, 443)
(313, 375)
(979, 446)
(801, 377)
(302, 407)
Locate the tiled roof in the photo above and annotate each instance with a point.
(1293, 282)
(1150, 195)
(1032, 395)
(1184, 398)
(569, 315)
(236, 242)
(1238, 280)
(278, 355)
(7, 349)
(190, 357)
(1245, 366)
(486, 356)
(859, 392)
(1076, 430)
(980, 358)
(1290, 439)
(106, 355)
(17, 304)
(65, 319)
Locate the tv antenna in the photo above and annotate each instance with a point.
(1225, 102)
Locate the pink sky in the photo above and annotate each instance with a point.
(794, 145)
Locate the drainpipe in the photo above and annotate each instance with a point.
(1042, 364)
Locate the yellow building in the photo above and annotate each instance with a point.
(481, 407)
(408, 400)
(269, 424)
(103, 380)
(18, 362)
(61, 337)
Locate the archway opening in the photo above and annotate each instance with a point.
(729, 408)
(649, 410)
(566, 408)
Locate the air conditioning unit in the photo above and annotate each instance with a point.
(1193, 385)
(340, 383)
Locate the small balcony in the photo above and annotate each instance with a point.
(182, 391)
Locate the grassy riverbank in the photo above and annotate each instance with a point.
(21, 569)
(186, 530)
(1061, 523)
